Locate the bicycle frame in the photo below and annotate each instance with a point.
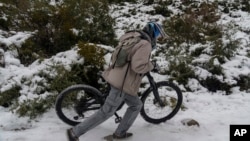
(153, 86)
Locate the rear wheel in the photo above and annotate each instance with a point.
(77, 103)
(171, 97)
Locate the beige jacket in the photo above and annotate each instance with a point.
(140, 64)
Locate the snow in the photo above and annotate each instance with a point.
(215, 112)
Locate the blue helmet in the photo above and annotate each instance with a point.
(154, 30)
(158, 30)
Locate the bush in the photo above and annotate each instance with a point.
(94, 62)
(35, 107)
(229, 6)
(162, 8)
(195, 33)
(7, 97)
(244, 82)
(52, 80)
(213, 84)
(29, 52)
(51, 86)
(196, 25)
(121, 1)
(57, 28)
(181, 72)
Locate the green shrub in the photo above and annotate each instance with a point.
(58, 27)
(181, 72)
(244, 82)
(121, 1)
(3, 24)
(63, 79)
(29, 52)
(7, 97)
(229, 6)
(162, 8)
(179, 67)
(94, 61)
(35, 107)
(245, 5)
(213, 84)
(196, 25)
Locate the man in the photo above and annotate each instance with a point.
(124, 88)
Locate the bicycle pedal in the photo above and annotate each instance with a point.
(118, 120)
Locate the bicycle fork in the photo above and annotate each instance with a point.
(155, 90)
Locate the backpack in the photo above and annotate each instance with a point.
(122, 50)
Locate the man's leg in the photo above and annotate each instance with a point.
(134, 107)
(112, 102)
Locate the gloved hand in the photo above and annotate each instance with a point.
(156, 66)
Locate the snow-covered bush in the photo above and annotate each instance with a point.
(36, 92)
(58, 27)
(199, 43)
(7, 97)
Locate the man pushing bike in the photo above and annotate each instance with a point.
(124, 77)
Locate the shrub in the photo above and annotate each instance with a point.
(162, 8)
(229, 6)
(52, 85)
(196, 25)
(7, 97)
(53, 79)
(245, 5)
(197, 28)
(63, 79)
(35, 107)
(213, 84)
(180, 71)
(93, 62)
(121, 1)
(244, 82)
(58, 27)
(179, 67)
(29, 52)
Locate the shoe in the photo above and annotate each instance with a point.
(126, 135)
(71, 136)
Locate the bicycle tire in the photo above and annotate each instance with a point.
(91, 94)
(173, 110)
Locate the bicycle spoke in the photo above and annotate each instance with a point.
(78, 105)
(171, 99)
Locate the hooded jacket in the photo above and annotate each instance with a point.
(139, 65)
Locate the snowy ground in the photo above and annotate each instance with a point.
(214, 112)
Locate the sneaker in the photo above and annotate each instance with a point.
(126, 135)
(71, 136)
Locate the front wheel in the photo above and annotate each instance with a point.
(77, 103)
(171, 97)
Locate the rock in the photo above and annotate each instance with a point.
(190, 122)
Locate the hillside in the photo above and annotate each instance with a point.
(207, 55)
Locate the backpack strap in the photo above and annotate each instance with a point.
(113, 65)
(123, 82)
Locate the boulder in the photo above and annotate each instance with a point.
(190, 122)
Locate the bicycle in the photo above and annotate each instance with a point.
(78, 102)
